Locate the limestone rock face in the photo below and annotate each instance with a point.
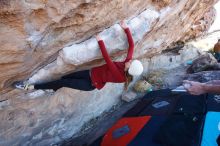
(203, 76)
(203, 63)
(44, 39)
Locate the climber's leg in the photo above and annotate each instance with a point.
(78, 75)
(80, 84)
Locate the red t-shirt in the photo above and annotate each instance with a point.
(111, 71)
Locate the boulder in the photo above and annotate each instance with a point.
(203, 63)
(42, 40)
(203, 76)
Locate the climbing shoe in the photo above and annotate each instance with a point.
(21, 85)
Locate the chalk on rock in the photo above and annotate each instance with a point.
(4, 104)
(36, 94)
(129, 96)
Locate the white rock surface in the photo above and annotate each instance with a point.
(114, 38)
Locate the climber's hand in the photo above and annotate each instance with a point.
(98, 38)
(123, 24)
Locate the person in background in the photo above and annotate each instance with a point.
(217, 50)
(97, 77)
(197, 88)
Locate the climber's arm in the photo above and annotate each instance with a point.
(108, 60)
(130, 41)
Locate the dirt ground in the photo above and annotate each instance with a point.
(98, 126)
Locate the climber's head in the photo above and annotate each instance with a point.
(134, 67)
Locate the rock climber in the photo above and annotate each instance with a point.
(97, 77)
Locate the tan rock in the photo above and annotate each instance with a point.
(32, 36)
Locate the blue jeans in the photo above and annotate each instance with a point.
(78, 80)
